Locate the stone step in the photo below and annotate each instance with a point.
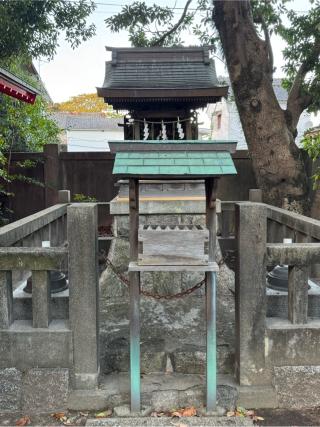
(159, 392)
(167, 421)
(166, 391)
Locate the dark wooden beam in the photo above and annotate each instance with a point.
(133, 217)
(163, 93)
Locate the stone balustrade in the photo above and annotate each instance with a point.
(38, 260)
(43, 348)
(270, 346)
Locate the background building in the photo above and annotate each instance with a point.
(225, 120)
(87, 131)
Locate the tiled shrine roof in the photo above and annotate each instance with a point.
(185, 74)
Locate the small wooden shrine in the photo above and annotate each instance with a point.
(161, 88)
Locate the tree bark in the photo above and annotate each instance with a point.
(277, 163)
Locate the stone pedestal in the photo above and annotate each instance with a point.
(172, 331)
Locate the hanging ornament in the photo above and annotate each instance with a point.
(145, 130)
(164, 131)
(180, 130)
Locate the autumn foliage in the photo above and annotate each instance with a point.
(85, 103)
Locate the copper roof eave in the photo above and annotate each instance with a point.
(163, 92)
(169, 177)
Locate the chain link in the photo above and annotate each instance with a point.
(156, 296)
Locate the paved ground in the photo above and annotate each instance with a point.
(284, 417)
(273, 417)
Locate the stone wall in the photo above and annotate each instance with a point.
(36, 389)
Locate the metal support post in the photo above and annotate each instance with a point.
(211, 342)
(135, 341)
(134, 314)
(211, 191)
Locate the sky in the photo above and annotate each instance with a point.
(73, 72)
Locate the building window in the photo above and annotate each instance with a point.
(219, 116)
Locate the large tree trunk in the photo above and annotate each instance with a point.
(268, 129)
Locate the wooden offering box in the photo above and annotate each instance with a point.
(173, 245)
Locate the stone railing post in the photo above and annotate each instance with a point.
(63, 196)
(82, 228)
(298, 294)
(251, 233)
(255, 195)
(41, 299)
(6, 299)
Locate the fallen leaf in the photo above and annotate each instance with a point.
(176, 414)
(157, 414)
(189, 412)
(104, 414)
(24, 421)
(241, 411)
(58, 415)
(256, 418)
(84, 414)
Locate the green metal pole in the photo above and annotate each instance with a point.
(211, 342)
(135, 341)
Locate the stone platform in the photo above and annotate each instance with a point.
(159, 392)
(165, 421)
(165, 392)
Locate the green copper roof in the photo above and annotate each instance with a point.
(191, 163)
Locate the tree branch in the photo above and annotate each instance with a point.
(160, 41)
(297, 101)
(268, 44)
